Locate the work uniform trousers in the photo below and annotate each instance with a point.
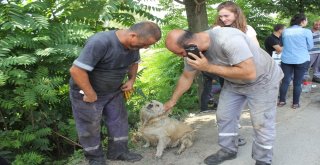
(315, 64)
(88, 117)
(261, 100)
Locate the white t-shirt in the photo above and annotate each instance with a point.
(250, 31)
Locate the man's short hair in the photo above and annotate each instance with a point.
(184, 38)
(316, 22)
(146, 29)
(277, 27)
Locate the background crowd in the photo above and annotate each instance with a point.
(295, 48)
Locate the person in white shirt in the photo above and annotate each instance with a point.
(231, 15)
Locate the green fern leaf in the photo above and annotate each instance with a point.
(41, 144)
(17, 73)
(45, 40)
(41, 73)
(24, 59)
(17, 76)
(37, 6)
(29, 98)
(4, 51)
(42, 89)
(43, 132)
(30, 158)
(19, 22)
(3, 78)
(9, 139)
(69, 50)
(57, 81)
(41, 21)
(27, 137)
(70, 33)
(45, 52)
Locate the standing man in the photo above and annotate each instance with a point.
(96, 87)
(250, 76)
(273, 42)
(315, 52)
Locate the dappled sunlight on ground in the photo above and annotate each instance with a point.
(200, 118)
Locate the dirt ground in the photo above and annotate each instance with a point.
(206, 140)
(205, 144)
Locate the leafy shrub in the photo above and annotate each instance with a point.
(157, 81)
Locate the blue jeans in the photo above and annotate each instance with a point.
(298, 71)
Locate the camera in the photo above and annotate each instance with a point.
(192, 49)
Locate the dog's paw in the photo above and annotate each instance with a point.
(146, 145)
(178, 152)
(158, 155)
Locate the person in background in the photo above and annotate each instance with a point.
(231, 15)
(251, 76)
(207, 93)
(3, 161)
(295, 57)
(96, 88)
(273, 42)
(315, 52)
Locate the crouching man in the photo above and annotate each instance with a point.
(250, 76)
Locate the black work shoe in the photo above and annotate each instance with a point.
(316, 79)
(262, 163)
(101, 161)
(129, 156)
(219, 157)
(241, 141)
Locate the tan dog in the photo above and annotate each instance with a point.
(159, 130)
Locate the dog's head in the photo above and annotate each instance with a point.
(151, 110)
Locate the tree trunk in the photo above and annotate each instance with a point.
(197, 21)
(196, 15)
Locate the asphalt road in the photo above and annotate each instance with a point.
(298, 133)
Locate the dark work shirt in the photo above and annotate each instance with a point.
(270, 42)
(106, 61)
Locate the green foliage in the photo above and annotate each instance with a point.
(21, 142)
(38, 42)
(31, 158)
(157, 81)
(76, 158)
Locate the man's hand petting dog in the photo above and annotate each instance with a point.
(157, 129)
(169, 105)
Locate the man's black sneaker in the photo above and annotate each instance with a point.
(219, 157)
(241, 141)
(262, 163)
(99, 161)
(316, 79)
